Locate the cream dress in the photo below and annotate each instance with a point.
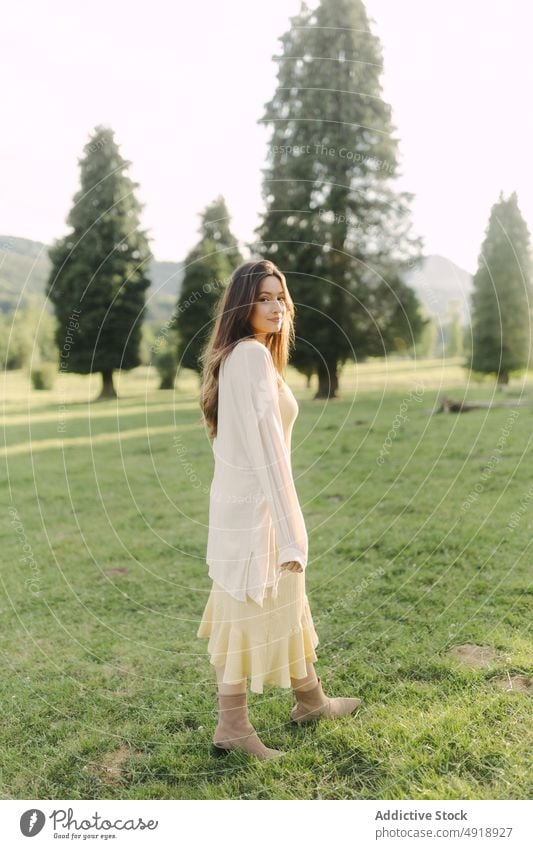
(268, 644)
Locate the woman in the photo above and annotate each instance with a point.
(257, 616)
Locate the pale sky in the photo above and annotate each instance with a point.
(183, 85)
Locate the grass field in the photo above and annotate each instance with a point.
(420, 531)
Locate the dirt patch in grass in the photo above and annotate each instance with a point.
(476, 657)
(117, 570)
(514, 683)
(110, 766)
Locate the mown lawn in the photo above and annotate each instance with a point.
(420, 533)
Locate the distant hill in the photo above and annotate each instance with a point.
(437, 281)
(24, 270)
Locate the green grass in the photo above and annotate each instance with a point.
(106, 691)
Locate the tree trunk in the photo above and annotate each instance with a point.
(503, 378)
(108, 389)
(328, 381)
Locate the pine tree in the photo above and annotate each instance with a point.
(215, 226)
(333, 223)
(502, 295)
(98, 278)
(208, 267)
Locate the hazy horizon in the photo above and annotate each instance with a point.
(454, 76)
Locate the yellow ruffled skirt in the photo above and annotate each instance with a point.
(269, 644)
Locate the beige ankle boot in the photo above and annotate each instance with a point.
(235, 731)
(312, 704)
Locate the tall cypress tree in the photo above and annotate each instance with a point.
(207, 268)
(98, 274)
(215, 225)
(502, 294)
(333, 223)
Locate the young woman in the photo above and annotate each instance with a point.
(257, 616)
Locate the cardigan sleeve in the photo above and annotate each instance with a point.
(268, 452)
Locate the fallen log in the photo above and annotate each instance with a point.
(447, 405)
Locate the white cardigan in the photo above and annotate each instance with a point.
(255, 519)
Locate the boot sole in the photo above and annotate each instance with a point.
(312, 719)
(305, 721)
(218, 751)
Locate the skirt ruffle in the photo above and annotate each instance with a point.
(269, 645)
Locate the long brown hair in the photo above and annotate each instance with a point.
(232, 323)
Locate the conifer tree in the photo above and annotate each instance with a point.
(208, 267)
(98, 278)
(216, 226)
(502, 295)
(333, 223)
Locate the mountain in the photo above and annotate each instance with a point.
(437, 281)
(24, 270)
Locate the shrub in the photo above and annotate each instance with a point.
(43, 375)
(167, 365)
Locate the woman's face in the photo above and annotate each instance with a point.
(269, 308)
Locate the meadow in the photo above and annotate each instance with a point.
(420, 530)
